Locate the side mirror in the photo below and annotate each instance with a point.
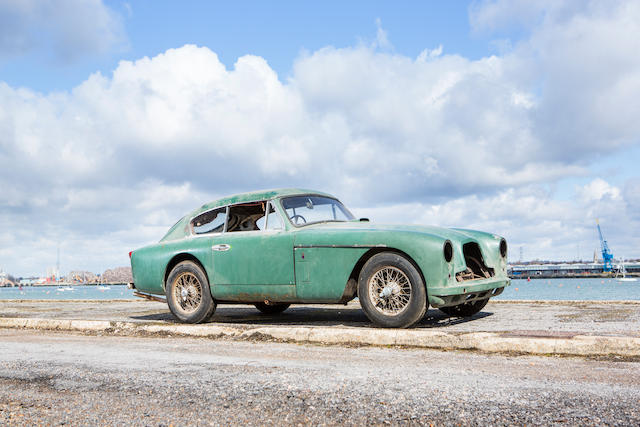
(364, 219)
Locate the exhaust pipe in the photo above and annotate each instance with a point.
(149, 297)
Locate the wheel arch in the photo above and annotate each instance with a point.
(177, 259)
(355, 273)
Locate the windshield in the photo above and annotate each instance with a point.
(303, 210)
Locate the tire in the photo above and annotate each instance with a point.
(467, 309)
(271, 308)
(188, 293)
(405, 297)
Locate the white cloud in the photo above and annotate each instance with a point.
(581, 60)
(67, 28)
(436, 139)
(428, 54)
(493, 15)
(382, 39)
(598, 190)
(531, 218)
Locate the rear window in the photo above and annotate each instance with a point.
(210, 222)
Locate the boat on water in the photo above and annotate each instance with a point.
(103, 287)
(64, 288)
(621, 274)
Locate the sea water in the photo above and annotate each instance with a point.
(520, 289)
(85, 292)
(571, 289)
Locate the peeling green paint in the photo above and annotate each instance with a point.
(311, 263)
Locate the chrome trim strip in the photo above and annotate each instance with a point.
(266, 215)
(271, 204)
(226, 219)
(339, 246)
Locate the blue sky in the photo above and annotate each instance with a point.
(515, 117)
(277, 31)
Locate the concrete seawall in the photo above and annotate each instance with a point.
(576, 328)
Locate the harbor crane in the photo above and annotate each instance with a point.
(607, 256)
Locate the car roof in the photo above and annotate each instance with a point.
(179, 228)
(256, 196)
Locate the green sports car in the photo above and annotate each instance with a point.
(290, 246)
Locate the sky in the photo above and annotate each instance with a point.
(515, 117)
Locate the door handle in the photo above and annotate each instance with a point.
(221, 247)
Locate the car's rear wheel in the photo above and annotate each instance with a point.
(391, 291)
(188, 293)
(274, 308)
(465, 310)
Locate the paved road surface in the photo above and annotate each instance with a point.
(586, 317)
(54, 378)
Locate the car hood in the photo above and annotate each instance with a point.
(453, 234)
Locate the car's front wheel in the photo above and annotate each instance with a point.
(188, 293)
(391, 291)
(467, 309)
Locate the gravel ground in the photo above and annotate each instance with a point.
(52, 379)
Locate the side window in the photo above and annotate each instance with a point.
(246, 217)
(210, 222)
(274, 222)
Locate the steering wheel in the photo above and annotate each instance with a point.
(296, 217)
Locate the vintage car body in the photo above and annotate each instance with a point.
(318, 262)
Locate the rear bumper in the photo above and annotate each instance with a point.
(466, 292)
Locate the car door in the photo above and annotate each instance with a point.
(254, 265)
(204, 229)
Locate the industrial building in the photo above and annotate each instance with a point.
(523, 271)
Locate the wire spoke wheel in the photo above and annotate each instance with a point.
(392, 291)
(187, 292)
(389, 291)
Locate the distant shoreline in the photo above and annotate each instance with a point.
(568, 276)
(56, 284)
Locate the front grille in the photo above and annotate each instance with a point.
(476, 268)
